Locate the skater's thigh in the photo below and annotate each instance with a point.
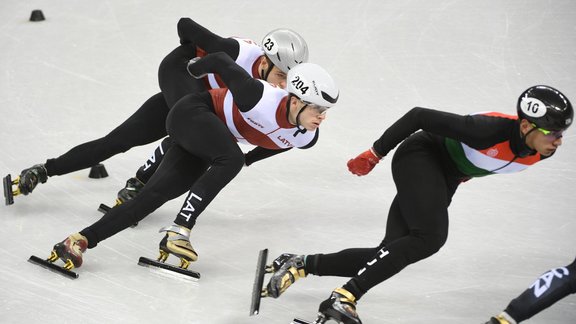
(173, 77)
(423, 194)
(194, 127)
(175, 175)
(146, 125)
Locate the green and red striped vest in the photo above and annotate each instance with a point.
(498, 158)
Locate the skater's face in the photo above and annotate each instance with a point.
(543, 141)
(276, 76)
(311, 116)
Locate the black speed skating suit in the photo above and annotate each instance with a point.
(427, 168)
(205, 156)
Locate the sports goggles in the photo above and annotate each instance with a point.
(556, 133)
(320, 109)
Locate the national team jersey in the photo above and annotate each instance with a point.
(249, 57)
(266, 124)
(479, 144)
(498, 158)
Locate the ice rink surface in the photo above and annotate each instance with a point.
(91, 64)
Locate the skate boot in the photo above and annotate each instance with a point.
(70, 251)
(501, 319)
(30, 177)
(340, 307)
(130, 191)
(177, 242)
(287, 269)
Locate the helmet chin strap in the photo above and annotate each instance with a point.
(298, 125)
(528, 148)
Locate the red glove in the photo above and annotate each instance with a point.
(364, 163)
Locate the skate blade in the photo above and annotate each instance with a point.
(258, 282)
(300, 321)
(145, 262)
(319, 320)
(52, 267)
(9, 192)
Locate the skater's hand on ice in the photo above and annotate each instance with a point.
(364, 163)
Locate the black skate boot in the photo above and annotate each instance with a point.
(130, 191)
(287, 269)
(177, 242)
(70, 251)
(340, 307)
(29, 178)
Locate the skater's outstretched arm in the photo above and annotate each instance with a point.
(191, 32)
(477, 131)
(260, 153)
(246, 90)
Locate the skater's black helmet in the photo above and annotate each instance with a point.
(546, 108)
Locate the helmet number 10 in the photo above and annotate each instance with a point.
(299, 84)
(533, 107)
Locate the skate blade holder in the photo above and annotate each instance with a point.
(10, 189)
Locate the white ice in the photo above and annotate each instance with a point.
(90, 64)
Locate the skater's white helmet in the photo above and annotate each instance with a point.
(313, 85)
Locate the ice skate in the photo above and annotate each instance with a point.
(69, 251)
(130, 191)
(30, 177)
(340, 307)
(286, 269)
(24, 183)
(177, 242)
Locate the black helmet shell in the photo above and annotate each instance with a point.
(545, 107)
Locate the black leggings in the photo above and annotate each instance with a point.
(417, 224)
(544, 292)
(203, 159)
(146, 125)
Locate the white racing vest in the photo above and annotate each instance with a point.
(266, 124)
(249, 57)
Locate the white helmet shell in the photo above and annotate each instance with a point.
(313, 85)
(285, 48)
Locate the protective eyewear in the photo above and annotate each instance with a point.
(556, 134)
(320, 109)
